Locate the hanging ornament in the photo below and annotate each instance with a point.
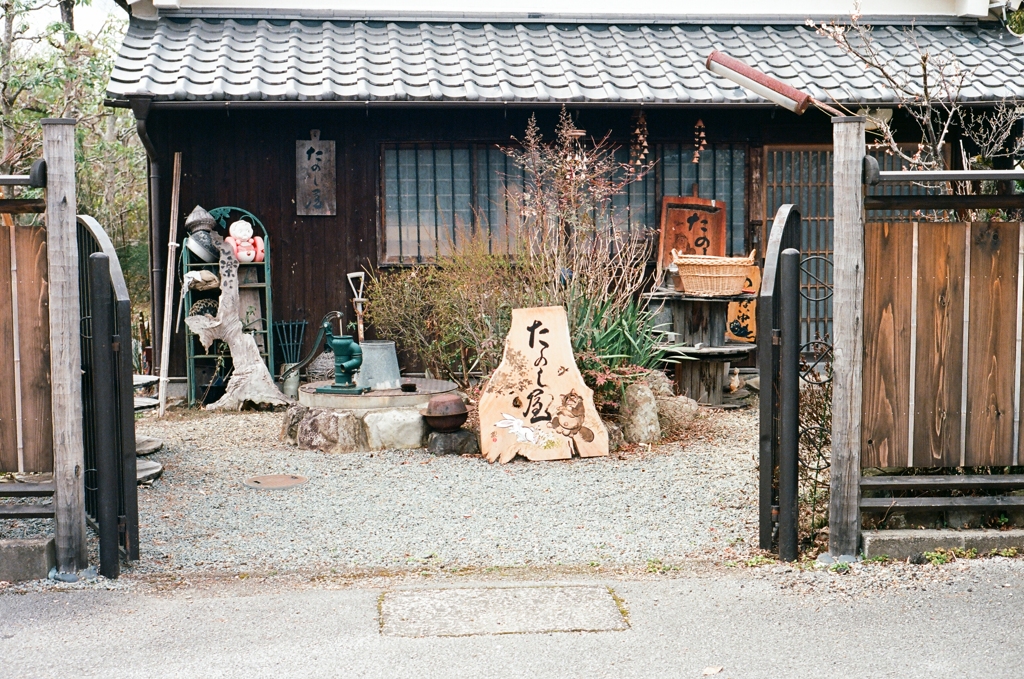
(638, 149)
(700, 141)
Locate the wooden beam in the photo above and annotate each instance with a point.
(847, 334)
(65, 349)
(22, 206)
(977, 502)
(934, 482)
(947, 202)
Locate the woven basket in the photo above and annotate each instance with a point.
(706, 275)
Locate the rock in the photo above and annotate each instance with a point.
(458, 442)
(395, 428)
(825, 558)
(148, 470)
(290, 427)
(660, 384)
(331, 431)
(754, 383)
(847, 558)
(147, 445)
(676, 414)
(639, 414)
(615, 439)
(26, 559)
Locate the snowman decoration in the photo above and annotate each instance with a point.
(247, 248)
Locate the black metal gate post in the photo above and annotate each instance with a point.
(789, 389)
(105, 413)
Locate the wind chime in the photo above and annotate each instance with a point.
(638, 149)
(700, 141)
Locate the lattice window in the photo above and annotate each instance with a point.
(803, 175)
(433, 193)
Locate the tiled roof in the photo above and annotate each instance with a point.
(207, 59)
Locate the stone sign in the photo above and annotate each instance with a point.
(536, 404)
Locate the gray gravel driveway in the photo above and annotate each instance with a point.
(404, 508)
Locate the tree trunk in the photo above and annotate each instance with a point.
(67, 13)
(250, 380)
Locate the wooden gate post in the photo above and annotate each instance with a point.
(65, 347)
(847, 332)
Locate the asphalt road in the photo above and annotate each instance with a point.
(751, 626)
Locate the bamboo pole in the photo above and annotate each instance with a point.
(65, 347)
(847, 333)
(172, 247)
(19, 427)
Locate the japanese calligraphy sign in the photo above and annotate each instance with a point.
(536, 404)
(742, 320)
(315, 192)
(691, 225)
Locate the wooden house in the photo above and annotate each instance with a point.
(416, 101)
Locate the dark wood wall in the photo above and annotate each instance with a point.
(246, 158)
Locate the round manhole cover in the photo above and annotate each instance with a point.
(275, 481)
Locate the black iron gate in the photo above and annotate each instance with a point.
(111, 493)
(790, 365)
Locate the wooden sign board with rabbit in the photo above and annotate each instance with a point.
(536, 403)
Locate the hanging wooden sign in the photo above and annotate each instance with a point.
(536, 403)
(315, 182)
(691, 225)
(742, 320)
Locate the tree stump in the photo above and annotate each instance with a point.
(250, 380)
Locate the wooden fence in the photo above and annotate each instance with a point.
(24, 357)
(942, 344)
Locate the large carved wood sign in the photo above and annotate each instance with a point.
(315, 192)
(536, 403)
(691, 225)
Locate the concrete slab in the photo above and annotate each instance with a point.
(903, 544)
(499, 610)
(29, 559)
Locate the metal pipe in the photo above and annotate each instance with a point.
(105, 421)
(789, 390)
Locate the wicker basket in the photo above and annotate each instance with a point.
(712, 276)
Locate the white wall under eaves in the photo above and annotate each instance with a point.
(796, 10)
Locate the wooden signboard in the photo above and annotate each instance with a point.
(741, 325)
(536, 404)
(691, 225)
(315, 183)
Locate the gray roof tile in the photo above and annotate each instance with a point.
(204, 59)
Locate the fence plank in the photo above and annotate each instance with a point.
(888, 250)
(940, 336)
(34, 328)
(990, 364)
(8, 424)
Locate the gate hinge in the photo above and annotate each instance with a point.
(776, 337)
(775, 513)
(115, 343)
(122, 524)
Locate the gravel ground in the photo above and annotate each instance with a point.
(404, 508)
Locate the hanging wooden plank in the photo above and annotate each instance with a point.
(8, 412)
(691, 225)
(34, 329)
(940, 335)
(888, 259)
(992, 351)
(315, 183)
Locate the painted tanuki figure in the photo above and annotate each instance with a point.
(568, 419)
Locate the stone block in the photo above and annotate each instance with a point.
(290, 427)
(458, 442)
(395, 428)
(903, 544)
(639, 414)
(29, 559)
(332, 431)
(676, 413)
